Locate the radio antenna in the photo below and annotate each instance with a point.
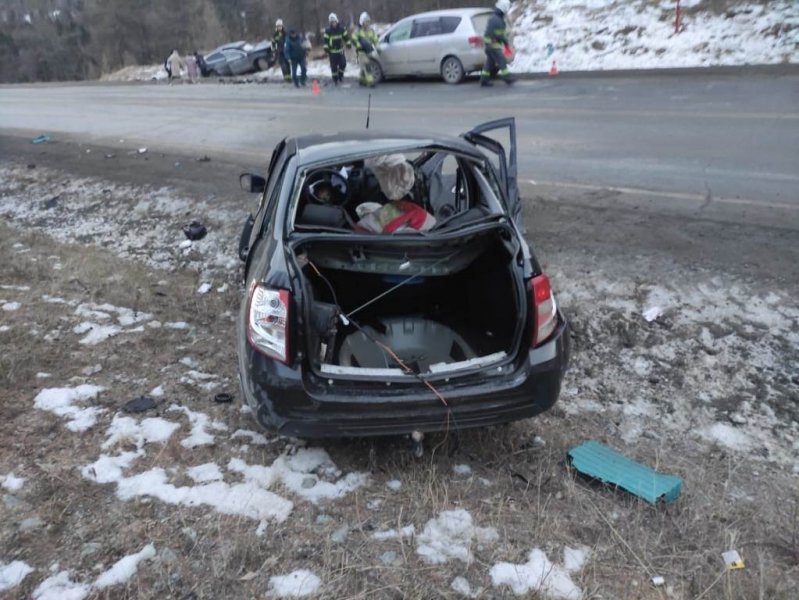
(369, 111)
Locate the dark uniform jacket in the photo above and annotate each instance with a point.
(335, 39)
(496, 35)
(279, 41)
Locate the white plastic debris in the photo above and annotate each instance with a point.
(204, 288)
(658, 581)
(184, 244)
(733, 560)
(142, 150)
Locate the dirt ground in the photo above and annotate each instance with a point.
(96, 291)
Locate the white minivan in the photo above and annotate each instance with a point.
(447, 43)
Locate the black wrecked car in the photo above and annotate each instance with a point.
(390, 289)
(238, 58)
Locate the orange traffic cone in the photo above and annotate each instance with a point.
(315, 88)
(553, 72)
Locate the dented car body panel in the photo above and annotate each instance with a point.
(344, 332)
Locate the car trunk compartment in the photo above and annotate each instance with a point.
(435, 308)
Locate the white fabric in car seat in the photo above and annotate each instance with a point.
(394, 174)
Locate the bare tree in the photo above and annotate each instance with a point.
(47, 40)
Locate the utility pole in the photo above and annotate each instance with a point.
(678, 18)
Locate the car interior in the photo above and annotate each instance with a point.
(440, 190)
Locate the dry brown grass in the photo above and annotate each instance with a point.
(533, 499)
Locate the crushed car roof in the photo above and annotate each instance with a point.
(319, 148)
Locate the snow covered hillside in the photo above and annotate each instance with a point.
(595, 35)
(588, 35)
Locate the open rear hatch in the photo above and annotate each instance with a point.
(406, 307)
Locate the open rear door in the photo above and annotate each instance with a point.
(502, 155)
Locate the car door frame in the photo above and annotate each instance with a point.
(397, 67)
(507, 159)
(255, 222)
(239, 65)
(425, 51)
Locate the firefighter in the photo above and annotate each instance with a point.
(365, 41)
(336, 37)
(495, 40)
(279, 49)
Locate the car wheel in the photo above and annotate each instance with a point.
(262, 64)
(375, 70)
(452, 70)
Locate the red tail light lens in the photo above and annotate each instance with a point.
(268, 322)
(546, 310)
(475, 41)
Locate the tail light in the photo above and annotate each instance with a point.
(268, 322)
(475, 41)
(546, 311)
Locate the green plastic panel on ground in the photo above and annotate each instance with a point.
(600, 462)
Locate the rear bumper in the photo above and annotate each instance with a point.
(295, 403)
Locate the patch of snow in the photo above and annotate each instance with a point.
(108, 469)
(95, 333)
(177, 325)
(254, 437)
(296, 584)
(134, 222)
(462, 586)
(4, 328)
(126, 317)
(93, 370)
(248, 499)
(540, 575)
(11, 306)
(61, 587)
(61, 402)
(652, 313)
(188, 361)
(200, 423)
(13, 573)
(124, 568)
(205, 473)
(728, 436)
(393, 534)
(729, 348)
(151, 430)
(639, 34)
(394, 485)
(16, 288)
(295, 470)
(451, 535)
(204, 288)
(575, 558)
(200, 379)
(12, 483)
(157, 392)
(464, 470)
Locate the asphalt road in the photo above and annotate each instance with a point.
(677, 140)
